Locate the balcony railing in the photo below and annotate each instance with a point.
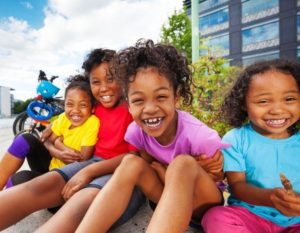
(260, 14)
(261, 45)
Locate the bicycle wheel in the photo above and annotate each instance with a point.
(17, 122)
(34, 132)
(27, 123)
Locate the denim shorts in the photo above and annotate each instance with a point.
(68, 171)
(137, 198)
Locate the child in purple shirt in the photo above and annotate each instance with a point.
(154, 77)
(192, 137)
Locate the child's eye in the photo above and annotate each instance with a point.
(137, 101)
(110, 79)
(96, 82)
(162, 97)
(262, 101)
(290, 99)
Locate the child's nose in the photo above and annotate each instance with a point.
(150, 107)
(276, 108)
(103, 88)
(76, 109)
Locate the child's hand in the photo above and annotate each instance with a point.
(69, 156)
(77, 182)
(287, 204)
(213, 166)
(160, 169)
(46, 133)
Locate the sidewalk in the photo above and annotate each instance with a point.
(137, 224)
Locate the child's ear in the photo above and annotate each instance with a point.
(93, 110)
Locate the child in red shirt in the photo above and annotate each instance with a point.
(76, 184)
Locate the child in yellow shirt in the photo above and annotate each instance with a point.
(74, 134)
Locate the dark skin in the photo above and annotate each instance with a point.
(212, 165)
(278, 198)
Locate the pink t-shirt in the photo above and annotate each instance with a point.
(193, 137)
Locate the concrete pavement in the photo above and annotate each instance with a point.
(136, 225)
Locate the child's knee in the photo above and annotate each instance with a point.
(183, 164)
(84, 197)
(49, 182)
(133, 164)
(131, 169)
(19, 148)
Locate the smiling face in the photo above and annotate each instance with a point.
(104, 87)
(78, 106)
(273, 103)
(152, 104)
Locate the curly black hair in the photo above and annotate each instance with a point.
(233, 108)
(80, 82)
(95, 58)
(165, 58)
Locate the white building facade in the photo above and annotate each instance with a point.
(5, 101)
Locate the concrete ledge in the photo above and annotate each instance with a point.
(137, 224)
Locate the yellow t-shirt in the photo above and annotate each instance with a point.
(83, 135)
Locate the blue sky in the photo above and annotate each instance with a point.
(30, 11)
(56, 35)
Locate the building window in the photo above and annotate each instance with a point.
(219, 45)
(298, 2)
(260, 37)
(207, 4)
(260, 57)
(253, 9)
(214, 22)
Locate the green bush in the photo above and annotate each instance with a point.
(20, 106)
(212, 78)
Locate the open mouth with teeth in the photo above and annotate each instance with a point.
(276, 122)
(106, 98)
(75, 118)
(153, 122)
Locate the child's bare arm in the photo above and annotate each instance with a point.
(50, 144)
(277, 197)
(146, 156)
(87, 174)
(58, 150)
(160, 170)
(46, 133)
(213, 165)
(247, 192)
(59, 144)
(86, 152)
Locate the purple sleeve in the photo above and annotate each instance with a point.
(207, 141)
(133, 135)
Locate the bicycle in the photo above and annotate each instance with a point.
(41, 109)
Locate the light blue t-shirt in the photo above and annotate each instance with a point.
(193, 137)
(263, 159)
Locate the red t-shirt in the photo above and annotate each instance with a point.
(113, 126)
